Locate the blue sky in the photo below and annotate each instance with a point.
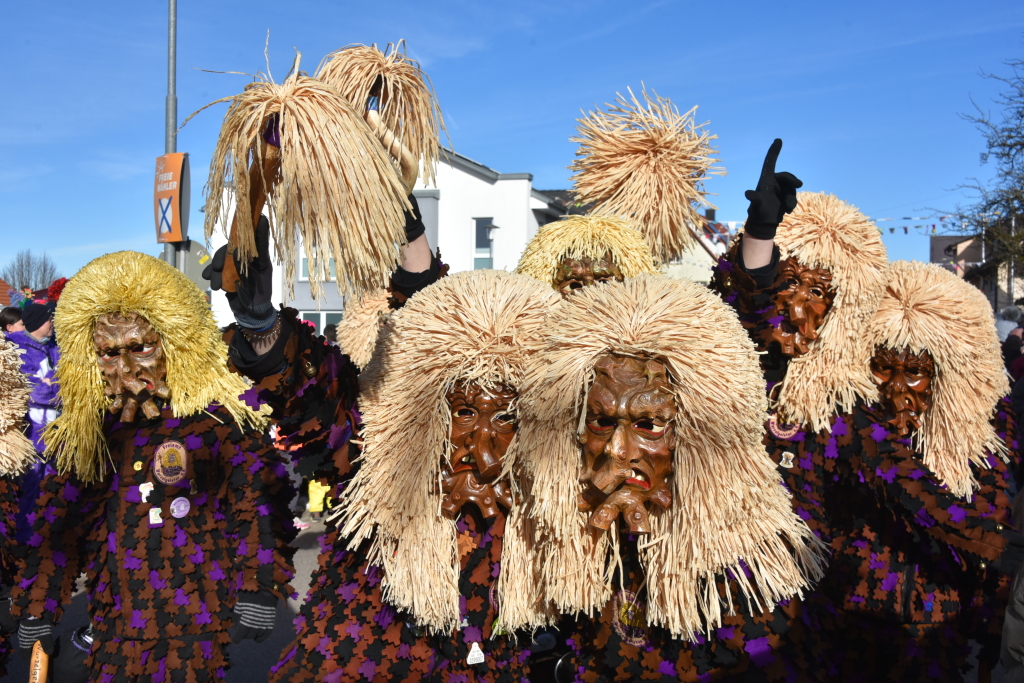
(866, 95)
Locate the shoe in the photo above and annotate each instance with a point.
(299, 524)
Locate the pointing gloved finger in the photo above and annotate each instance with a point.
(768, 168)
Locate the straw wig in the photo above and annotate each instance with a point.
(590, 237)
(122, 283)
(408, 104)
(730, 512)
(359, 327)
(337, 192)
(826, 232)
(16, 451)
(927, 308)
(646, 162)
(472, 326)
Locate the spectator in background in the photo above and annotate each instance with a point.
(1012, 349)
(331, 332)
(1008, 322)
(39, 363)
(10, 320)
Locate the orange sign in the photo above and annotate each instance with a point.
(171, 197)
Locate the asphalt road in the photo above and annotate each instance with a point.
(250, 661)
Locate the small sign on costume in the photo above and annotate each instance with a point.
(170, 462)
(180, 507)
(476, 655)
(154, 517)
(171, 197)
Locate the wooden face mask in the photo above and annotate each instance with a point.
(628, 442)
(131, 358)
(482, 429)
(904, 382)
(803, 297)
(576, 274)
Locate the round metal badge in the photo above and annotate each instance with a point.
(630, 618)
(180, 507)
(781, 430)
(170, 462)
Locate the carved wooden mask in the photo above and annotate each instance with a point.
(904, 382)
(803, 297)
(576, 274)
(131, 358)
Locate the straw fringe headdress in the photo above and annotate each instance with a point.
(646, 162)
(338, 190)
(729, 507)
(408, 104)
(826, 232)
(197, 359)
(359, 327)
(16, 451)
(928, 308)
(471, 326)
(590, 237)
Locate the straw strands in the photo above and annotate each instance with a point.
(197, 360)
(646, 162)
(728, 503)
(928, 308)
(359, 326)
(474, 326)
(16, 451)
(579, 237)
(338, 190)
(408, 103)
(826, 232)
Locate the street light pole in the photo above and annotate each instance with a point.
(171, 113)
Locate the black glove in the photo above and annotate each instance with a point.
(7, 622)
(251, 303)
(72, 650)
(254, 616)
(774, 197)
(414, 221)
(1012, 556)
(32, 630)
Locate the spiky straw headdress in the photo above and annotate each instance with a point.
(590, 237)
(359, 327)
(471, 326)
(338, 190)
(197, 369)
(826, 232)
(408, 104)
(928, 308)
(729, 508)
(16, 451)
(648, 163)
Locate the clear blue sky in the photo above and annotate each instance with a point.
(865, 95)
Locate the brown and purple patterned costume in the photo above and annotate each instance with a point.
(161, 595)
(9, 560)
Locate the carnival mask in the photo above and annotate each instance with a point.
(904, 382)
(628, 442)
(131, 358)
(482, 428)
(803, 297)
(576, 274)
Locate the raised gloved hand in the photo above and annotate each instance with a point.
(254, 616)
(251, 303)
(774, 197)
(30, 631)
(1012, 557)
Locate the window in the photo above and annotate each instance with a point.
(304, 270)
(484, 249)
(321, 319)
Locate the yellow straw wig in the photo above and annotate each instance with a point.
(408, 104)
(826, 232)
(359, 327)
(586, 237)
(122, 283)
(646, 162)
(338, 191)
(16, 451)
(471, 326)
(927, 308)
(729, 506)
